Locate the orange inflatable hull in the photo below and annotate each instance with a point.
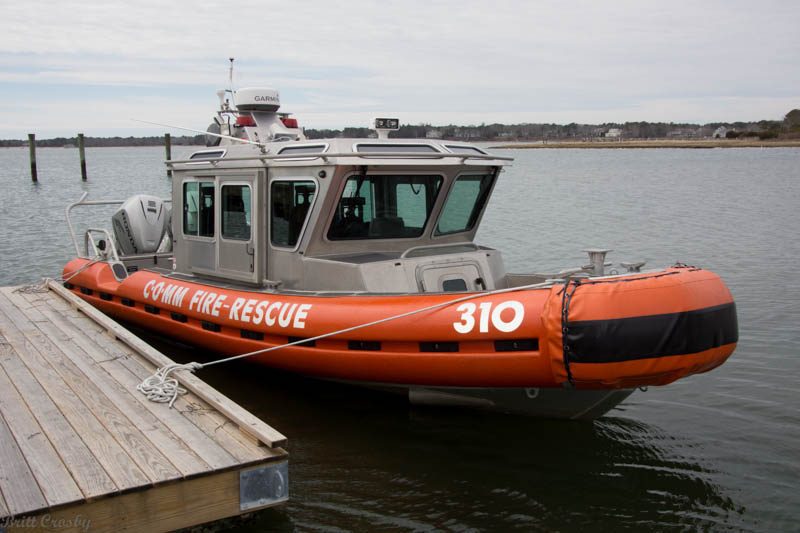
(642, 329)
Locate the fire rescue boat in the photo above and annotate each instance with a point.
(357, 258)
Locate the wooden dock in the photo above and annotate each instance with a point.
(81, 450)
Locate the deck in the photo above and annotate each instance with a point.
(82, 450)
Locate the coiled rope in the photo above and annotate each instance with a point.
(162, 388)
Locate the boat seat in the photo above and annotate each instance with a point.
(387, 226)
(234, 219)
(236, 226)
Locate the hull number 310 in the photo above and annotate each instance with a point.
(505, 316)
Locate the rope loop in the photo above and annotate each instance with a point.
(34, 288)
(161, 388)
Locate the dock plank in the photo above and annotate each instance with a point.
(200, 413)
(204, 417)
(53, 477)
(115, 461)
(3, 507)
(173, 448)
(87, 472)
(247, 422)
(144, 453)
(180, 436)
(19, 487)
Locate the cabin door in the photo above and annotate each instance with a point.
(239, 228)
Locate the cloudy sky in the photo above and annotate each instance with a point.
(93, 66)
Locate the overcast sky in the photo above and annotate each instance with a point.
(92, 66)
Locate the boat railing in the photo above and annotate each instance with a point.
(326, 156)
(106, 251)
(82, 201)
(415, 249)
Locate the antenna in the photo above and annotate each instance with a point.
(230, 82)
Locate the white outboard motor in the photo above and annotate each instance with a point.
(140, 224)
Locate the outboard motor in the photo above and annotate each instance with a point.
(140, 224)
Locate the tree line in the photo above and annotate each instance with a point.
(765, 129)
(535, 131)
(58, 142)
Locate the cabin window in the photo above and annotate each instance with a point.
(290, 203)
(213, 154)
(384, 207)
(198, 208)
(236, 212)
(461, 149)
(465, 203)
(395, 148)
(304, 149)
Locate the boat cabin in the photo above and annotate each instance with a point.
(352, 215)
(263, 207)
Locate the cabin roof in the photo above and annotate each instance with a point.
(341, 152)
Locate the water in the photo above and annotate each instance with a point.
(716, 451)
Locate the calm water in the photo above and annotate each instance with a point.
(717, 451)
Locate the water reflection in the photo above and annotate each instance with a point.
(362, 460)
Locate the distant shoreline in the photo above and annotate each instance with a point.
(659, 143)
(554, 144)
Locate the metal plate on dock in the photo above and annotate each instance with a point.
(262, 486)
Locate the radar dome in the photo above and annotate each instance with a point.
(257, 99)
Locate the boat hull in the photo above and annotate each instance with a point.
(526, 339)
(568, 403)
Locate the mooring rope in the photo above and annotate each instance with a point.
(162, 388)
(42, 285)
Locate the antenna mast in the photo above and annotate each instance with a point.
(230, 82)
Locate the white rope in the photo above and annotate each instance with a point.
(34, 288)
(381, 321)
(96, 259)
(160, 388)
(42, 285)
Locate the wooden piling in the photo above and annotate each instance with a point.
(168, 147)
(82, 156)
(32, 150)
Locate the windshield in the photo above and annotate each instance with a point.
(464, 204)
(384, 207)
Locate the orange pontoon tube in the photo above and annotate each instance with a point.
(621, 332)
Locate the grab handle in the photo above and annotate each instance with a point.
(445, 245)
